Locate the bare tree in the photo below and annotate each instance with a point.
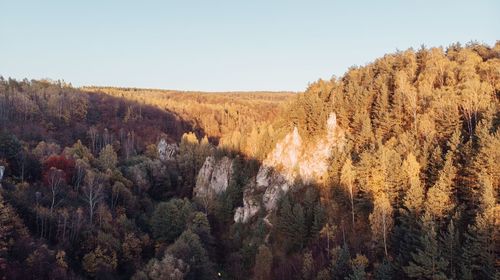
(93, 134)
(79, 175)
(475, 97)
(92, 192)
(55, 180)
(347, 177)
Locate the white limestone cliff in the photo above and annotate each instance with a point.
(291, 160)
(213, 177)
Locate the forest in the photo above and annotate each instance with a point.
(390, 171)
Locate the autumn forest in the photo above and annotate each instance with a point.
(391, 171)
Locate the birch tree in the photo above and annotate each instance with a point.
(92, 193)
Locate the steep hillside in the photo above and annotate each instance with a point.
(388, 172)
(415, 172)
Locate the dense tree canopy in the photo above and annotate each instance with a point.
(412, 192)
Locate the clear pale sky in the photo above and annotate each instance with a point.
(224, 45)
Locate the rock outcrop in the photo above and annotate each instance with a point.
(251, 205)
(2, 170)
(307, 161)
(291, 160)
(166, 151)
(213, 177)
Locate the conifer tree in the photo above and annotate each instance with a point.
(291, 224)
(481, 249)
(414, 197)
(359, 265)
(384, 271)
(450, 244)
(440, 200)
(427, 262)
(406, 233)
(340, 267)
(435, 164)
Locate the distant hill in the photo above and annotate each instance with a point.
(223, 115)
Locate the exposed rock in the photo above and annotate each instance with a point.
(251, 206)
(309, 162)
(166, 151)
(213, 177)
(291, 160)
(273, 183)
(2, 170)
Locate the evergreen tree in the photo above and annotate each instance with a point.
(440, 199)
(406, 232)
(480, 250)
(427, 262)
(340, 267)
(359, 265)
(414, 197)
(291, 224)
(189, 248)
(170, 219)
(384, 271)
(450, 245)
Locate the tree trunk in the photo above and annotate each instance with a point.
(352, 207)
(385, 237)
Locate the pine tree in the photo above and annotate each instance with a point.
(291, 224)
(427, 262)
(440, 196)
(480, 250)
(414, 197)
(189, 248)
(170, 219)
(406, 233)
(384, 271)
(434, 166)
(359, 265)
(450, 245)
(340, 267)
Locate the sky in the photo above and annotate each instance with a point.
(224, 45)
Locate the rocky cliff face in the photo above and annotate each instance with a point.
(251, 204)
(290, 160)
(213, 177)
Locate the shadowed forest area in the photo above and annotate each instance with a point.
(388, 172)
(226, 115)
